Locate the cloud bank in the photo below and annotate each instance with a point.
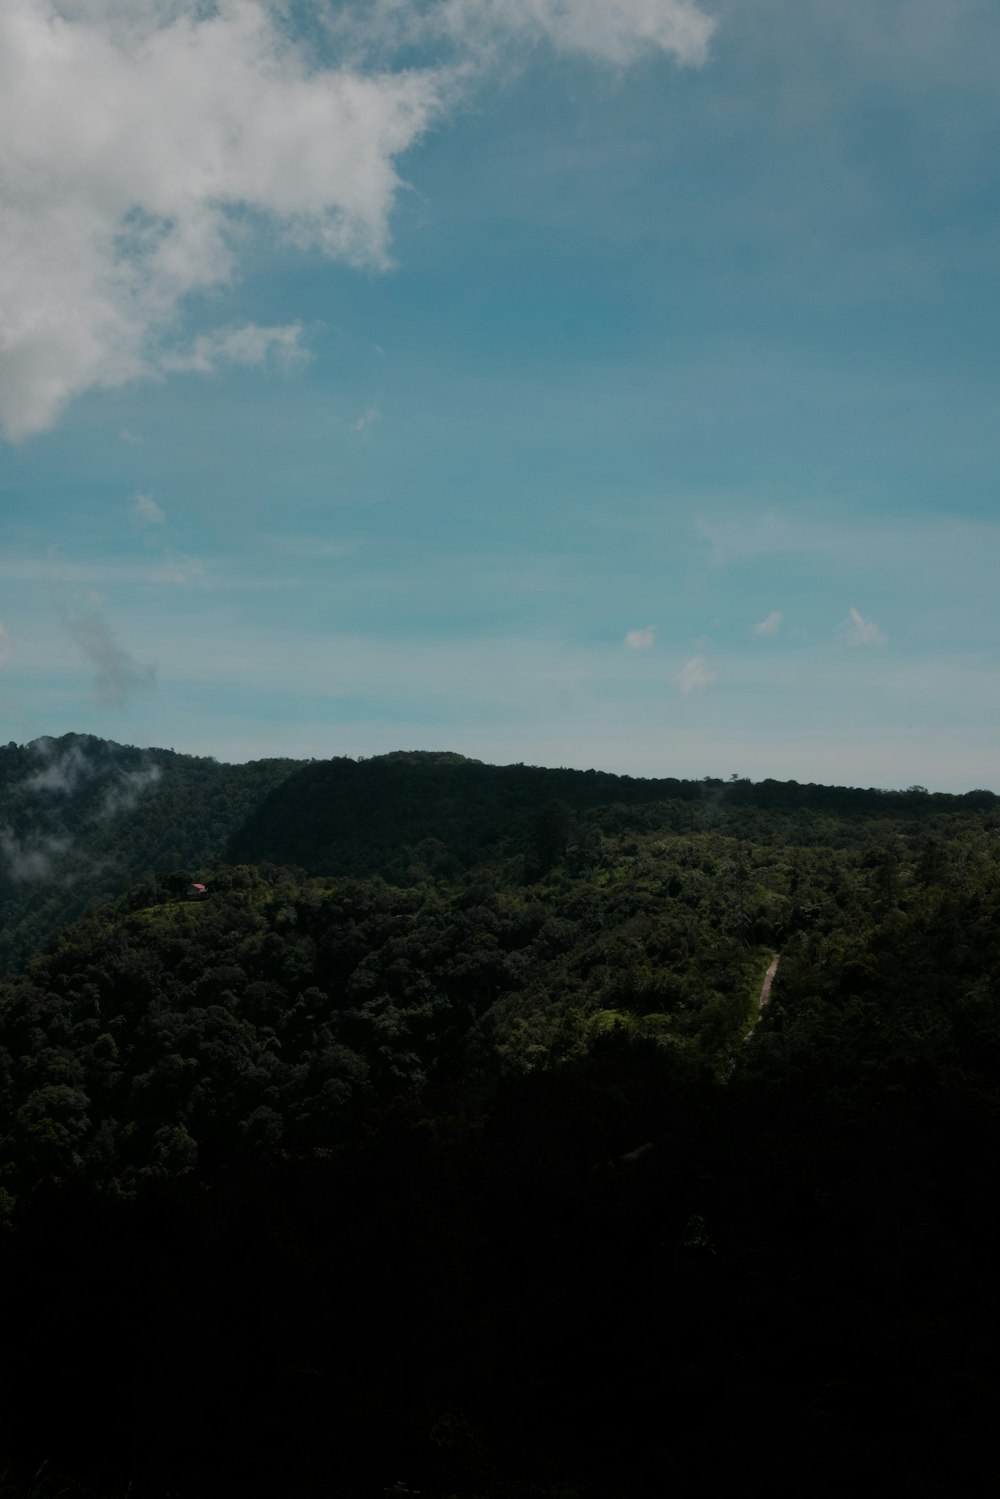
(142, 143)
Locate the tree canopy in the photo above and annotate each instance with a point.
(478, 1173)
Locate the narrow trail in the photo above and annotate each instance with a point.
(765, 991)
(765, 994)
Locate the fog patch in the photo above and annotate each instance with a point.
(62, 771)
(31, 859)
(127, 792)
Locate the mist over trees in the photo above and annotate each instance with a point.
(81, 818)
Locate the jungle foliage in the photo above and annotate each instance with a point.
(468, 1173)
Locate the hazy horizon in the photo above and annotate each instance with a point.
(44, 743)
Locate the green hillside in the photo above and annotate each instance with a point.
(488, 1182)
(82, 819)
(372, 816)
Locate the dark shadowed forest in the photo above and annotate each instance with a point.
(441, 1148)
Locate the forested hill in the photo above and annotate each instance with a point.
(81, 818)
(413, 810)
(471, 1184)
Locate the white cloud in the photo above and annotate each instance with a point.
(142, 142)
(693, 676)
(641, 640)
(130, 139)
(857, 630)
(770, 625)
(615, 31)
(117, 675)
(146, 511)
(6, 645)
(127, 436)
(366, 419)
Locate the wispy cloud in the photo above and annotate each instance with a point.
(182, 571)
(6, 645)
(770, 624)
(125, 794)
(146, 511)
(641, 640)
(609, 31)
(251, 345)
(117, 675)
(694, 676)
(367, 418)
(856, 630)
(31, 858)
(62, 771)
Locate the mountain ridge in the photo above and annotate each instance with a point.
(82, 818)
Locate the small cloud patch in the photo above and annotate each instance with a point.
(641, 640)
(367, 419)
(145, 511)
(770, 625)
(856, 630)
(694, 676)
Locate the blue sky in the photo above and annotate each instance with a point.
(602, 384)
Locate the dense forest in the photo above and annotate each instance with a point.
(442, 1148)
